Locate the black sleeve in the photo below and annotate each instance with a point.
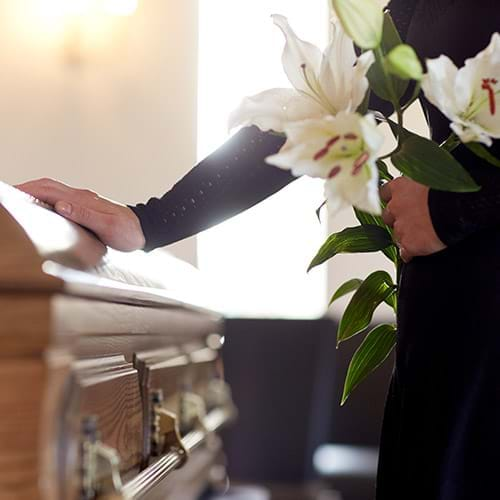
(230, 180)
(456, 216)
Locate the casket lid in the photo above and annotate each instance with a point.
(43, 251)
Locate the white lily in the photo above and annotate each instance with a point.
(468, 96)
(343, 151)
(323, 83)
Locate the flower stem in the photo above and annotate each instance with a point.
(451, 143)
(414, 97)
(393, 96)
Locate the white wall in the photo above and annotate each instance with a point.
(122, 122)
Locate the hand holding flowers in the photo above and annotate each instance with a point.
(332, 135)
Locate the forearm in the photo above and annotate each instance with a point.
(232, 179)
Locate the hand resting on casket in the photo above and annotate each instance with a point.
(116, 225)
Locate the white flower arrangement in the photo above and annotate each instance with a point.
(331, 134)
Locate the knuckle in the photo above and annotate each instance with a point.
(45, 184)
(45, 181)
(83, 214)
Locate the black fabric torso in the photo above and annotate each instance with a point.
(441, 435)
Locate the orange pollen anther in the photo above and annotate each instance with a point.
(324, 151)
(488, 86)
(351, 137)
(334, 171)
(358, 164)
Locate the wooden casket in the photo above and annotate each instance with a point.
(111, 382)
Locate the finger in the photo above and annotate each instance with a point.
(386, 192)
(387, 217)
(87, 217)
(47, 190)
(406, 256)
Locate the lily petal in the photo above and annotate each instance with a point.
(343, 75)
(298, 57)
(273, 109)
(342, 150)
(361, 191)
(359, 80)
(338, 54)
(468, 96)
(371, 134)
(296, 158)
(438, 85)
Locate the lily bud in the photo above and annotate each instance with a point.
(362, 20)
(403, 62)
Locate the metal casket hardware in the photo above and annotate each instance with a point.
(219, 394)
(100, 465)
(165, 436)
(193, 412)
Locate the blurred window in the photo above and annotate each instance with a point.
(258, 259)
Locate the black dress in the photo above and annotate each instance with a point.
(441, 432)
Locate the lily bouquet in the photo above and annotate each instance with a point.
(331, 134)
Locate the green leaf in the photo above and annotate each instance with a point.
(392, 299)
(383, 171)
(376, 77)
(403, 62)
(373, 351)
(352, 240)
(362, 20)
(373, 291)
(479, 150)
(425, 162)
(396, 130)
(367, 219)
(347, 287)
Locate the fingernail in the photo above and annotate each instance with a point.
(64, 208)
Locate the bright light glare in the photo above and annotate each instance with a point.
(257, 261)
(120, 7)
(76, 8)
(62, 8)
(89, 25)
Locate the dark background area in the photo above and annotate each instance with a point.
(287, 378)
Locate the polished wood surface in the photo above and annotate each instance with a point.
(86, 332)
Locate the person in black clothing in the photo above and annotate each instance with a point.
(441, 432)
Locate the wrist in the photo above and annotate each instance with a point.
(138, 240)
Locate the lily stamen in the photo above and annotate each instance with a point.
(324, 151)
(488, 86)
(318, 94)
(359, 163)
(334, 172)
(351, 137)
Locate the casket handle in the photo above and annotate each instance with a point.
(96, 458)
(164, 465)
(192, 412)
(165, 434)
